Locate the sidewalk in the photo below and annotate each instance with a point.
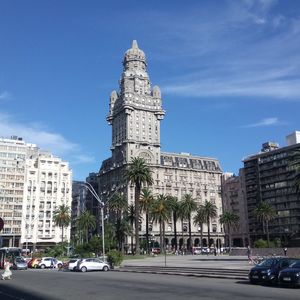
(193, 261)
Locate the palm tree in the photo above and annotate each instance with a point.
(131, 217)
(199, 220)
(174, 207)
(118, 204)
(86, 221)
(188, 205)
(62, 218)
(265, 213)
(146, 201)
(229, 219)
(138, 174)
(123, 228)
(210, 211)
(160, 213)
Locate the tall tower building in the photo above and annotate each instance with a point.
(135, 112)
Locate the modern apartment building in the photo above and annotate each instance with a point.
(269, 177)
(33, 184)
(234, 200)
(135, 113)
(13, 153)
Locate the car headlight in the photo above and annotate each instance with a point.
(297, 274)
(266, 272)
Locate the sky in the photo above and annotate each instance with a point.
(229, 72)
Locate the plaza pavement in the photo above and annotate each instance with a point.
(192, 261)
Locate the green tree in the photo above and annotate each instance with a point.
(86, 221)
(138, 173)
(160, 213)
(117, 204)
(229, 219)
(62, 218)
(174, 207)
(265, 213)
(131, 218)
(146, 201)
(199, 219)
(210, 211)
(123, 229)
(188, 205)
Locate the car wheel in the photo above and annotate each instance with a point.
(43, 266)
(83, 269)
(105, 268)
(59, 266)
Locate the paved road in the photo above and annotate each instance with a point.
(55, 285)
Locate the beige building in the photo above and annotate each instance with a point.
(33, 184)
(135, 113)
(234, 200)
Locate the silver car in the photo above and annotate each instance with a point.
(92, 264)
(20, 263)
(72, 264)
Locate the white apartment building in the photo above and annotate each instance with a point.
(33, 184)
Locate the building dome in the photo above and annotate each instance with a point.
(134, 53)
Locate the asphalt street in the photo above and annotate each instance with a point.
(54, 285)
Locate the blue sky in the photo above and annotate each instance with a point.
(229, 72)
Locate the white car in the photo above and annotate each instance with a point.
(72, 264)
(50, 262)
(92, 264)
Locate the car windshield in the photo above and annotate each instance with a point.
(295, 264)
(20, 260)
(266, 263)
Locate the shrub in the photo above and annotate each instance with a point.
(261, 244)
(114, 258)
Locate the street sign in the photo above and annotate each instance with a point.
(1, 224)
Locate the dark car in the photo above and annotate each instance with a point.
(20, 263)
(268, 270)
(291, 275)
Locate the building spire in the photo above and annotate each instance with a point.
(134, 45)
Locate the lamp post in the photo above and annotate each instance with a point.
(93, 192)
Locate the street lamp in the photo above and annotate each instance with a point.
(93, 192)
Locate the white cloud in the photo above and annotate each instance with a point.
(265, 122)
(44, 139)
(5, 95)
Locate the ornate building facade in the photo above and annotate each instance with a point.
(135, 113)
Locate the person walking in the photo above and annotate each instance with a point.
(7, 274)
(249, 255)
(285, 251)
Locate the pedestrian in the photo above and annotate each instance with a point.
(215, 251)
(7, 274)
(285, 251)
(249, 255)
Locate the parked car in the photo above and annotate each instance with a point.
(91, 264)
(49, 262)
(291, 275)
(155, 250)
(72, 264)
(33, 263)
(20, 263)
(268, 270)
